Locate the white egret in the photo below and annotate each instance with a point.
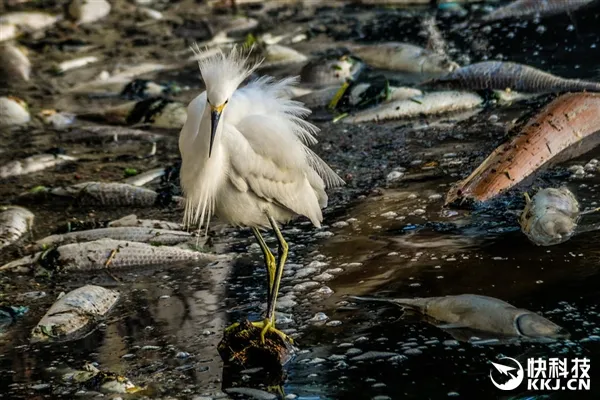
(245, 159)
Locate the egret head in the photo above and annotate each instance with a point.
(222, 74)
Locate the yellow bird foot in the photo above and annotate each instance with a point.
(269, 326)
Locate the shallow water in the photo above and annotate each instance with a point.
(378, 238)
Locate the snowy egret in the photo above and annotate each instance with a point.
(245, 158)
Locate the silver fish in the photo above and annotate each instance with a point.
(108, 253)
(403, 57)
(530, 8)
(550, 217)
(103, 133)
(128, 233)
(74, 314)
(14, 223)
(88, 11)
(109, 194)
(481, 313)
(14, 63)
(145, 177)
(427, 104)
(13, 111)
(133, 220)
(29, 21)
(500, 75)
(32, 164)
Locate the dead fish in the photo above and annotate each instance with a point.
(403, 57)
(13, 111)
(427, 104)
(75, 314)
(126, 233)
(103, 133)
(14, 63)
(29, 21)
(500, 75)
(94, 379)
(277, 55)
(14, 223)
(69, 65)
(145, 177)
(530, 8)
(108, 194)
(481, 313)
(32, 164)
(133, 220)
(330, 70)
(88, 11)
(550, 217)
(159, 112)
(107, 253)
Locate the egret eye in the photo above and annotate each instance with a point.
(226, 101)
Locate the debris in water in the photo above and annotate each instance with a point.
(75, 314)
(74, 64)
(14, 223)
(93, 379)
(330, 70)
(9, 314)
(561, 124)
(145, 177)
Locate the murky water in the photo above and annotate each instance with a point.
(378, 238)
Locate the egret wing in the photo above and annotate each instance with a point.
(274, 167)
(191, 127)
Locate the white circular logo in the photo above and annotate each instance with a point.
(515, 380)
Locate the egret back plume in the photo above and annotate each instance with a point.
(231, 68)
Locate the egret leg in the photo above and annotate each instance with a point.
(271, 267)
(269, 323)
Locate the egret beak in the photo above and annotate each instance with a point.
(215, 116)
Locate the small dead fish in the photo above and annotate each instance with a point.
(107, 253)
(13, 111)
(14, 63)
(14, 223)
(530, 8)
(145, 177)
(133, 220)
(499, 75)
(69, 65)
(159, 112)
(427, 104)
(32, 164)
(550, 217)
(403, 57)
(102, 133)
(74, 314)
(108, 194)
(29, 21)
(330, 70)
(126, 233)
(88, 11)
(481, 313)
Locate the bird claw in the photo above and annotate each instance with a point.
(269, 326)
